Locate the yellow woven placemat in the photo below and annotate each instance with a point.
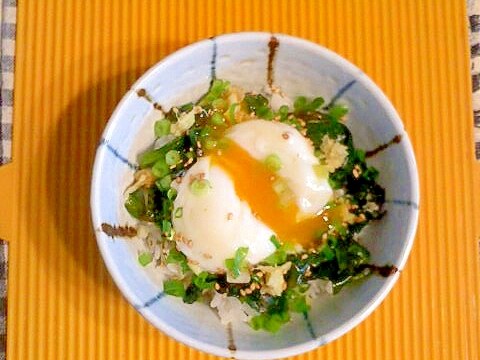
(75, 59)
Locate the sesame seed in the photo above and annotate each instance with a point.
(229, 216)
(217, 286)
(304, 257)
(242, 292)
(285, 135)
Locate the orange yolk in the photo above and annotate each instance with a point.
(255, 183)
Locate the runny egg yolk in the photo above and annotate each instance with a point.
(255, 184)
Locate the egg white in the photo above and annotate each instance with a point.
(215, 224)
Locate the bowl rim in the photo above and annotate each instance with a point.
(367, 309)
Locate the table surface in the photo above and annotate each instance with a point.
(75, 60)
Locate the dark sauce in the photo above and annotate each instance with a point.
(231, 341)
(272, 51)
(396, 139)
(157, 106)
(143, 94)
(384, 271)
(122, 231)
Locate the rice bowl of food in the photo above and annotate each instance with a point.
(255, 196)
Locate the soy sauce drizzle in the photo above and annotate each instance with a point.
(272, 51)
(143, 94)
(396, 139)
(231, 341)
(118, 230)
(384, 271)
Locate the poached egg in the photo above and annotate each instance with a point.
(246, 201)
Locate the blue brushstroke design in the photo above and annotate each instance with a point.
(403, 203)
(118, 155)
(151, 301)
(309, 326)
(213, 62)
(340, 93)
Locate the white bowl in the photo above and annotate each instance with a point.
(300, 68)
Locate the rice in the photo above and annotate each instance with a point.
(230, 309)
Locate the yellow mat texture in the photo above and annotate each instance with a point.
(75, 59)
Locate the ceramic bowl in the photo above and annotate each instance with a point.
(298, 67)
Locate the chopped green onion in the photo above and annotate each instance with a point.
(283, 110)
(174, 288)
(277, 258)
(273, 162)
(210, 144)
(300, 103)
(145, 258)
(327, 252)
(275, 241)
(135, 204)
(270, 322)
(337, 111)
(177, 257)
(302, 106)
(217, 119)
(237, 263)
(371, 173)
(172, 157)
(204, 280)
(186, 107)
(178, 212)
(162, 128)
(297, 302)
(164, 183)
(205, 132)
(166, 226)
(200, 187)
(171, 194)
(150, 157)
(160, 169)
(220, 104)
(259, 105)
(218, 88)
(231, 113)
